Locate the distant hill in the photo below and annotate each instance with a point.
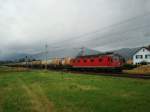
(13, 56)
(67, 53)
(127, 53)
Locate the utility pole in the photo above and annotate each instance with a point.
(46, 52)
(26, 60)
(82, 51)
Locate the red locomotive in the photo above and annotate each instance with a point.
(107, 61)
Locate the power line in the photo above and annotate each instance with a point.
(99, 30)
(46, 52)
(113, 34)
(104, 28)
(95, 32)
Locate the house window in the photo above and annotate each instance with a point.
(143, 50)
(139, 56)
(147, 56)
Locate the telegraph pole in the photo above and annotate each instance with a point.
(46, 52)
(26, 60)
(82, 51)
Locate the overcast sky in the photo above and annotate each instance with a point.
(26, 25)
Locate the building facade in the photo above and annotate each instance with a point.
(142, 55)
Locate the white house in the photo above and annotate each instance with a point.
(142, 55)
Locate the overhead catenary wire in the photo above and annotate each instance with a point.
(97, 45)
(102, 29)
(112, 34)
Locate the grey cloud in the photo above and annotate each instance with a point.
(26, 25)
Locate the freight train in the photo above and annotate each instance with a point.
(99, 62)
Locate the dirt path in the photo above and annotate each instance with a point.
(38, 99)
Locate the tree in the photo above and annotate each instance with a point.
(149, 47)
(22, 60)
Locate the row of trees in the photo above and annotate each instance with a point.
(148, 47)
(25, 59)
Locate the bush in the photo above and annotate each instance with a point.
(129, 66)
(143, 63)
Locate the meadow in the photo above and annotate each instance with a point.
(50, 91)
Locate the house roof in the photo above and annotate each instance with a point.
(146, 48)
(140, 49)
(127, 53)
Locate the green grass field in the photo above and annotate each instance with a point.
(48, 91)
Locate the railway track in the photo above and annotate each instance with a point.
(139, 76)
(124, 75)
